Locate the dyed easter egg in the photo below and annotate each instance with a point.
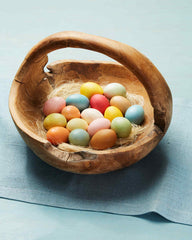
(121, 126)
(99, 102)
(78, 100)
(90, 114)
(103, 139)
(57, 135)
(77, 123)
(114, 89)
(135, 114)
(90, 88)
(112, 112)
(70, 112)
(53, 105)
(98, 124)
(79, 137)
(53, 120)
(120, 102)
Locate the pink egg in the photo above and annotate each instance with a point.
(54, 105)
(99, 102)
(98, 124)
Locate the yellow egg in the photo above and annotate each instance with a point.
(77, 123)
(112, 112)
(88, 89)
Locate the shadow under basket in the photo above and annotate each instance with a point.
(32, 86)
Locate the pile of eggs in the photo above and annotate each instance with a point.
(96, 117)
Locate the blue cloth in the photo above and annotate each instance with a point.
(161, 182)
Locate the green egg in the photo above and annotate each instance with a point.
(121, 126)
(79, 137)
(54, 120)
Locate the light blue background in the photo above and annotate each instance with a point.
(159, 29)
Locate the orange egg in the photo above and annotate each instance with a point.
(71, 112)
(103, 139)
(57, 135)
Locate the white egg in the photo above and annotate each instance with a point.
(90, 114)
(114, 89)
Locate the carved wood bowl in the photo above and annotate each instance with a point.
(32, 85)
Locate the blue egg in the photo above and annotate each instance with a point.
(135, 114)
(79, 137)
(78, 100)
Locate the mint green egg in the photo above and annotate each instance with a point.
(121, 126)
(79, 137)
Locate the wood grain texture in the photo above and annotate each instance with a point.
(32, 85)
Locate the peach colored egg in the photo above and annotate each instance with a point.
(103, 139)
(120, 102)
(98, 124)
(90, 114)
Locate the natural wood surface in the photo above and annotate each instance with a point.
(32, 85)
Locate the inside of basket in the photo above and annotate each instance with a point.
(64, 78)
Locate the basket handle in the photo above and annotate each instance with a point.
(157, 88)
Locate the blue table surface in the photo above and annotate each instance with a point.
(159, 29)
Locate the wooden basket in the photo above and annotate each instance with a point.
(32, 85)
